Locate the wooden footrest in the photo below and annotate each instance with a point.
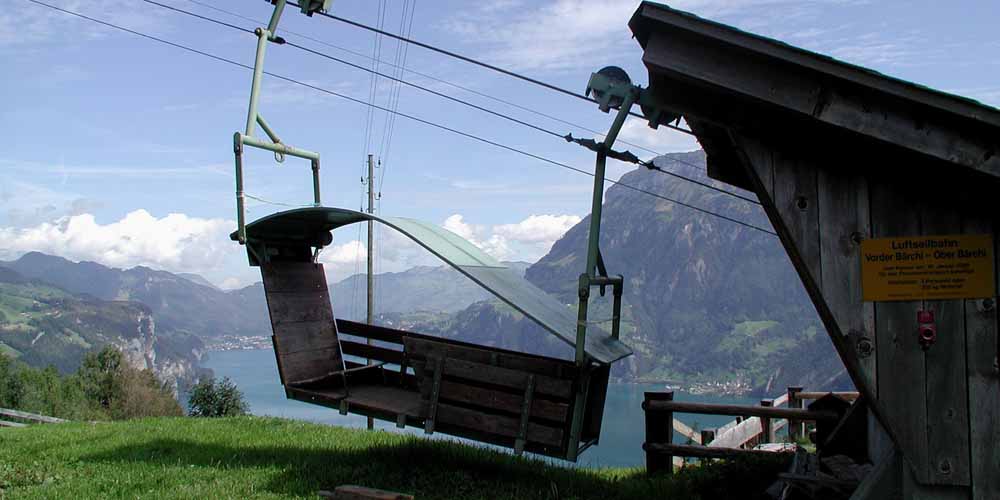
(351, 492)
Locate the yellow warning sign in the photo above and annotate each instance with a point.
(928, 267)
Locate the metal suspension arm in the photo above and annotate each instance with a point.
(590, 278)
(254, 118)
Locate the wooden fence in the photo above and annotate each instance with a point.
(20, 417)
(753, 427)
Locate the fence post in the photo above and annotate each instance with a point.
(794, 426)
(659, 430)
(766, 429)
(707, 436)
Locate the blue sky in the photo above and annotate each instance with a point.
(118, 148)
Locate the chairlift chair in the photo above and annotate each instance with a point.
(541, 404)
(518, 400)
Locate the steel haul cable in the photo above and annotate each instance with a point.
(436, 79)
(404, 115)
(375, 73)
(470, 60)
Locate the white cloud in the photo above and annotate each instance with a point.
(568, 34)
(175, 242)
(232, 283)
(456, 224)
(181, 243)
(527, 240)
(29, 24)
(351, 253)
(555, 36)
(538, 228)
(661, 140)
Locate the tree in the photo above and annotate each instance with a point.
(142, 395)
(217, 399)
(11, 390)
(100, 375)
(123, 391)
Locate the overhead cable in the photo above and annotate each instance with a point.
(375, 73)
(439, 80)
(470, 60)
(404, 115)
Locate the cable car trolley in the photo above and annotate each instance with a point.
(523, 401)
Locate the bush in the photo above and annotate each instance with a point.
(142, 395)
(10, 386)
(44, 391)
(105, 387)
(100, 374)
(216, 399)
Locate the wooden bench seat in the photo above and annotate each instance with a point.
(370, 397)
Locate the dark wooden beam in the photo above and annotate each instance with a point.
(737, 410)
(794, 82)
(686, 450)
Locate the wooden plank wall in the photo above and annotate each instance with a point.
(983, 365)
(946, 425)
(305, 338)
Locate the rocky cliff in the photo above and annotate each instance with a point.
(45, 325)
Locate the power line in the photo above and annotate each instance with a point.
(404, 115)
(445, 82)
(430, 91)
(402, 67)
(375, 74)
(373, 88)
(449, 83)
(512, 119)
(476, 62)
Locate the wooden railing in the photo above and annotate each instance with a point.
(25, 416)
(754, 426)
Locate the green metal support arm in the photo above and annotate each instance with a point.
(595, 274)
(590, 277)
(254, 118)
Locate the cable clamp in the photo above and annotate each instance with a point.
(599, 147)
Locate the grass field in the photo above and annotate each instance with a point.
(255, 457)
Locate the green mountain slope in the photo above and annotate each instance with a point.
(44, 325)
(705, 299)
(180, 304)
(419, 289)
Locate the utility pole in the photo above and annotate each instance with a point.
(371, 260)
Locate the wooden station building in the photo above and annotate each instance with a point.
(886, 196)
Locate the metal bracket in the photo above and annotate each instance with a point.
(596, 273)
(610, 85)
(522, 433)
(435, 393)
(254, 118)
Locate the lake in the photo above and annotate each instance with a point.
(256, 374)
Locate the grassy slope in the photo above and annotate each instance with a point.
(274, 458)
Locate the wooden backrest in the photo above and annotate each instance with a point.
(305, 334)
(485, 391)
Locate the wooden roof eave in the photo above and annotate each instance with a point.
(717, 74)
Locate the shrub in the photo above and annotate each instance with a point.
(10, 386)
(216, 399)
(140, 394)
(123, 391)
(44, 391)
(100, 375)
(105, 387)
